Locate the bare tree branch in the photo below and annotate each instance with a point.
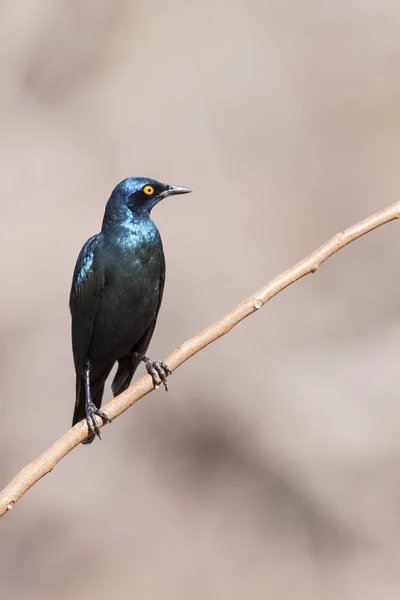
(48, 460)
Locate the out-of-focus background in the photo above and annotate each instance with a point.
(272, 467)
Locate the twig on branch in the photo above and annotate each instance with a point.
(48, 460)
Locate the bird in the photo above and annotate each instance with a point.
(115, 297)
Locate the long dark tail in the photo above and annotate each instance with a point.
(127, 366)
(97, 389)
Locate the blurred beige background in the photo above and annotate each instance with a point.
(271, 470)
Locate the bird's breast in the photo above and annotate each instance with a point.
(134, 266)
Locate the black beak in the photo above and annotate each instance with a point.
(174, 190)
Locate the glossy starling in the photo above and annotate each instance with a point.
(115, 297)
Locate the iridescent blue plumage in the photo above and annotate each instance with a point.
(116, 295)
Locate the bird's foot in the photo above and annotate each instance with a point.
(157, 369)
(91, 412)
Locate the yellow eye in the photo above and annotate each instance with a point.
(148, 190)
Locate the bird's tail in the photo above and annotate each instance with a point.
(80, 404)
(127, 366)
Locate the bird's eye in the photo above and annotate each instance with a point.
(148, 190)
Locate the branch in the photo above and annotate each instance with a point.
(48, 460)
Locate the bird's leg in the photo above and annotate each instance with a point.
(91, 409)
(157, 369)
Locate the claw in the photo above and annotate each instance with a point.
(152, 371)
(166, 368)
(157, 369)
(162, 371)
(91, 412)
(103, 415)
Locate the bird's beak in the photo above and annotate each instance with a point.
(174, 190)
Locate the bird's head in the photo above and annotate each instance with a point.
(141, 194)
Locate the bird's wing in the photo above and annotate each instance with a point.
(160, 287)
(128, 364)
(86, 290)
(144, 342)
(142, 345)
